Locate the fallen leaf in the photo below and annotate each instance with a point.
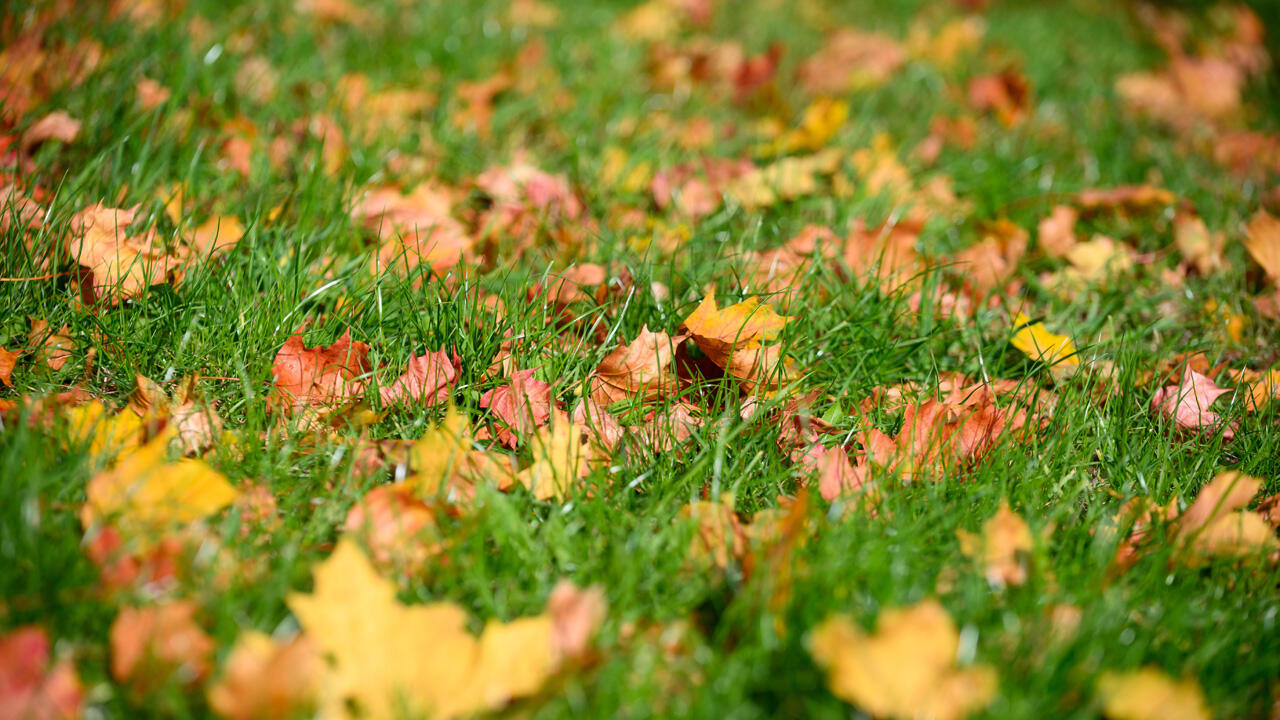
(1149, 694)
(57, 125)
(1037, 343)
(522, 405)
(417, 228)
(265, 678)
(1057, 232)
(151, 94)
(1188, 403)
(718, 332)
(905, 669)
(155, 644)
(1006, 94)
(1124, 198)
(319, 377)
(576, 615)
(641, 369)
(1262, 240)
(1003, 548)
(385, 658)
(52, 349)
(121, 266)
(217, 235)
(1199, 247)
(32, 688)
(144, 494)
(1217, 525)
(428, 380)
(719, 537)
(851, 59)
(397, 529)
(8, 359)
(562, 456)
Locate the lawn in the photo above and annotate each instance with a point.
(394, 358)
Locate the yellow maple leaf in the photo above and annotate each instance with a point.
(561, 457)
(1002, 547)
(1149, 694)
(104, 434)
(389, 660)
(903, 670)
(1038, 343)
(747, 324)
(443, 460)
(145, 494)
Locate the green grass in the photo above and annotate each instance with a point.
(742, 659)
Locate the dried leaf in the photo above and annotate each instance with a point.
(1040, 345)
(264, 678)
(1149, 694)
(155, 644)
(903, 670)
(319, 377)
(1003, 547)
(32, 688)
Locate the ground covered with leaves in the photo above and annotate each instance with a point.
(377, 359)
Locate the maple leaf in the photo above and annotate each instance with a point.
(145, 494)
(1200, 248)
(151, 94)
(428, 379)
(397, 529)
(522, 405)
(991, 261)
(52, 349)
(152, 644)
(120, 265)
(1037, 343)
(718, 332)
(1262, 240)
(413, 229)
(1149, 694)
(562, 455)
(215, 236)
(319, 377)
(386, 658)
(1263, 387)
(641, 369)
(837, 474)
(1216, 525)
(905, 669)
(7, 361)
(1007, 94)
(196, 427)
(30, 688)
(1124, 198)
(1057, 232)
(1002, 548)
(718, 537)
(1188, 403)
(444, 460)
(265, 678)
(57, 125)
(851, 59)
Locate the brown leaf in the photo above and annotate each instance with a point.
(428, 379)
(319, 376)
(413, 229)
(153, 644)
(121, 266)
(1262, 240)
(1003, 547)
(398, 530)
(849, 60)
(7, 361)
(641, 369)
(1057, 232)
(522, 405)
(265, 678)
(52, 349)
(1006, 94)
(57, 125)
